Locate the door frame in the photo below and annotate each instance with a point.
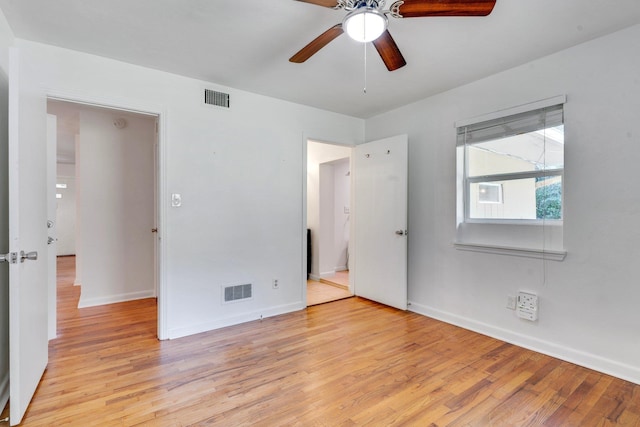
(352, 242)
(160, 196)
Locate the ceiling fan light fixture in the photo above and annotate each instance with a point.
(365, 24)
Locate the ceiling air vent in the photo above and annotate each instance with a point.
(238, 292)
(219, 99)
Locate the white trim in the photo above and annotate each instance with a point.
(513, 176)
(162, 114)
(235, 320)
(536, 105)
(130, 107)
(306, 273)
(111, 299)
(588, 360)
(552, 255)
(523, 222)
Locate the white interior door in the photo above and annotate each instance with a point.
(380, 221)
(28, 293)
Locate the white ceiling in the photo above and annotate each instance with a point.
(246, 44)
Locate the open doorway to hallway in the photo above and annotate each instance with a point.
(106, 201)
(328, 222)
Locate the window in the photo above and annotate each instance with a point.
(489, 193)
(513, 167)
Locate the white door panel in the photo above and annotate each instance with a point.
(28, 293)
(380, 187)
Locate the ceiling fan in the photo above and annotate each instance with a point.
(366, 21)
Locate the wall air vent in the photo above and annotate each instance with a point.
(219, 99)
(237, 292)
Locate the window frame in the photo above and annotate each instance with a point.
(479, 123)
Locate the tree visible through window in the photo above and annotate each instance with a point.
(549, 200)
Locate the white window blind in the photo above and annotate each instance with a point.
(517, 124)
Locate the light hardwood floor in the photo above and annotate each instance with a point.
(348, 363)
(320, 293)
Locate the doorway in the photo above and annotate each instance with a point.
(328, 201)
(106, 194)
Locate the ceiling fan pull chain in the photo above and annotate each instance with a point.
(365, 67)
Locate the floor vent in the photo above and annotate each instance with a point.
(237, 292)
(212, 97)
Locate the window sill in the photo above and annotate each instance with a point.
(552, 255)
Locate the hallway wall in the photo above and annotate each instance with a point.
(115, 206)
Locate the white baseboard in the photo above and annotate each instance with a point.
(342, 268)
(235, 320)
(327, 274)
(4, 391)
(111, 299)
(588, 360)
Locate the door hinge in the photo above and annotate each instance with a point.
(11, 258)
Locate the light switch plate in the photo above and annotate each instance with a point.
(176, 200)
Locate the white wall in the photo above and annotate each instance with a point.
(66, 214)
(317, 154)
(342, 201)
(326, 231)
(115, 205)
(588, 302)
(239, 172)
(6, 39)
(333, 232)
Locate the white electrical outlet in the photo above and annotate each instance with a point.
(527, 306)
(511, 302)
(275, 284)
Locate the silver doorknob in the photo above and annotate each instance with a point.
(401, 232)
(31, 256)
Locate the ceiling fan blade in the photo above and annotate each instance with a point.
(318, 43)
(325, 3)
(419, 8)
(389, 52)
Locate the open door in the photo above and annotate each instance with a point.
(380, 221)
(28, 293)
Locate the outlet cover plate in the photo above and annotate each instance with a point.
(527, 306)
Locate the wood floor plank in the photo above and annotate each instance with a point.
(347, 363)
